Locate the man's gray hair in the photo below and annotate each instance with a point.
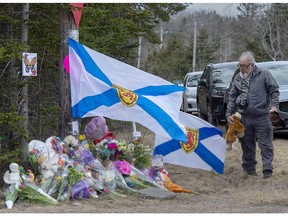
(249, 55)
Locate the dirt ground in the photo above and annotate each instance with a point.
(233, 192)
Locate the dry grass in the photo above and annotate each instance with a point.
(233, 192)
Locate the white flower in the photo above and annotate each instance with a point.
(71, 140)
(103, 142)
(131, 147)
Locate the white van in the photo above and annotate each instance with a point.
(189, 104)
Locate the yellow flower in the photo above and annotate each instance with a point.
(82, 137)
(133, 176)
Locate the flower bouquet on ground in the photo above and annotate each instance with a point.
(107, 149)
(74, 176)
(107, 178)
(136, 153)
(80, 190)
(31, 193)
(55, 184)
(143, 177)
(134, 178)
(63, 189)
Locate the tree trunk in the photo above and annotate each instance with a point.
(23, 103)
(67, 25)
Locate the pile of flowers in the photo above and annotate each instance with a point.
(77, 168)
(134, 152)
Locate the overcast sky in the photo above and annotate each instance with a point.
(225, 9)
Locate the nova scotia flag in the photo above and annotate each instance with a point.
(103, 86)
(205, 148)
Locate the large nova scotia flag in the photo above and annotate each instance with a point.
(205, 148)
(103, 86)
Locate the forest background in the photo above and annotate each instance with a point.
(36, 107)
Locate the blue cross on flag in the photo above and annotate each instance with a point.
(103, 86)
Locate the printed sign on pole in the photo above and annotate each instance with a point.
(29, 64)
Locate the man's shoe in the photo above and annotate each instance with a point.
(267, 174)
(251, 172)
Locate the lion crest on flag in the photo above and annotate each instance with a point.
(127, 97)
(192, 142)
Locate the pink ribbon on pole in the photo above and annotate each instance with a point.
(66, 64)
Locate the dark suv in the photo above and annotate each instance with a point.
(210, 91)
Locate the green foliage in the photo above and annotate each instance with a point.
(7, 157)
(114, 29)
(205, 53)
(172, 62)
(10, 120)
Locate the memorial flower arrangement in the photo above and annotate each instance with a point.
(134, 152)
(78, 167)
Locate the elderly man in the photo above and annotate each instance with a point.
(255, 94)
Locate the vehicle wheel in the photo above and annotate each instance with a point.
(210, 118)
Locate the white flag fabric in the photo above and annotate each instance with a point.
(103, 86)
(205, 148)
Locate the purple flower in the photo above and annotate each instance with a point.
(117, 153)
(71, 153)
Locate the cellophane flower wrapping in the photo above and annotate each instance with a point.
(87, 157)
(55, 184)
(63, 189)
(47, 182)
(80, 190)
(10, 193)
(107, 178)
(32, 193)
(94, 182)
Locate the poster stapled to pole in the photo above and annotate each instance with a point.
(29, 64)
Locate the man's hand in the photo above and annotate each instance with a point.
(230, 120)
(274, 109)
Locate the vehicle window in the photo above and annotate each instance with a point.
(193, 81)
(223, 75)
(216, 77)
(279, 73)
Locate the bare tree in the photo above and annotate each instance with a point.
(273, 29)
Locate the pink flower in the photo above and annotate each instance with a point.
(123, 167)
(112, 146)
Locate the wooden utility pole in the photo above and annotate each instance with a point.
(67, 28)
(23, 103)
(194, 46)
